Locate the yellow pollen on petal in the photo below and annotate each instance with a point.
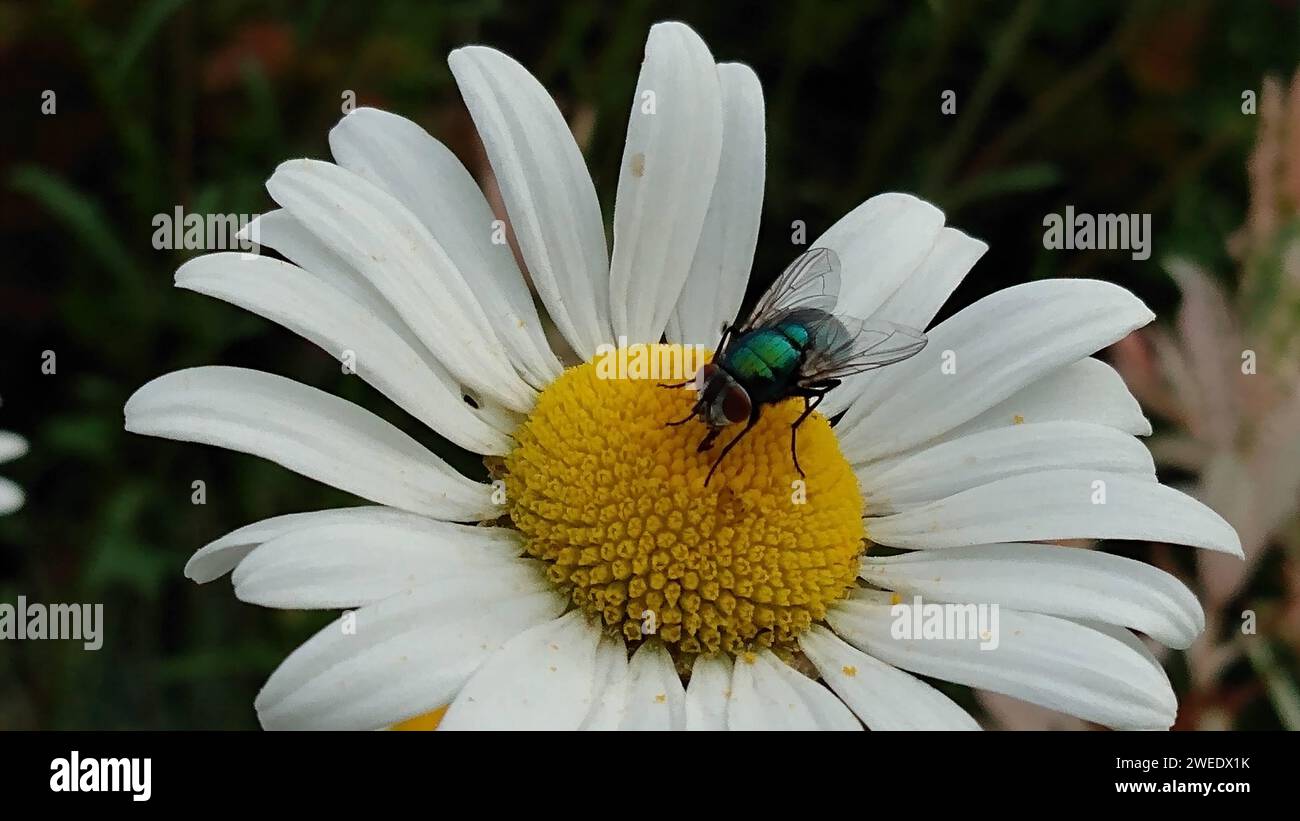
(614, 501)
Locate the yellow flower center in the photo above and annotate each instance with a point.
(427, 721)
(614, 501)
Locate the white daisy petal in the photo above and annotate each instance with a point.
(708, 693)
(720, 270)
(12, 446)
(880, 244)
(343, 328)
(217, 558)
(1059, 504)
(402, 657)
(654, 698)
(610, 688)
(388, 245)
(547, 191)
(1085, 391)
(766, 694)
(884, 697)
(670, 164)
(1060, 581)
(541, 679)
(642, 694)
(11, 497)
(953, 465)
(1038, 716)
(279, 230)
(352, 563)
(1041, 659)
(922, 294)
(1133, 642)
(827, 710)
(916, 301)
(308, 431)
(985, 354)
(402, 158)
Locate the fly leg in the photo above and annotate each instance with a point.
(707, 441)
(809, 404)
(812, 397)
(727, 328)
(753, 420)
(689, 417)
(694, 410)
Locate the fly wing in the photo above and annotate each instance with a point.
(842, 346)
(812, 281)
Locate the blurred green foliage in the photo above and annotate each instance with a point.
(1107, 106)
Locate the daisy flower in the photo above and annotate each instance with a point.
(12, 446)
(598, 582)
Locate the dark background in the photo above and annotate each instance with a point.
(1107, 106)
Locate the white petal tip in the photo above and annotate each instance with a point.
(466, 53)
(670, 25)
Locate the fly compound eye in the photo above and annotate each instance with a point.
(735, 404)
